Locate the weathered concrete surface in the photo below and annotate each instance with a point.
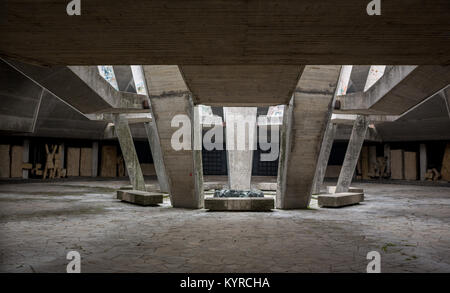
(352, 154)
(130, 157)
(140, 197)
(158, 161)
(240, 204)
(400, 89)
(41, 222)
(324, 156)
(169, 96)
(240, 145)
(332, 189)
(77, 84)
(246, 32)
(243, 85)
(305, 121)
(337, 200)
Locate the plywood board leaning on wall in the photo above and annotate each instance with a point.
(410, 162)
(73, 162)
(397, 164)
(86, 162)
(445, 170)
(16, 161)
(109, 161)
(5, 170)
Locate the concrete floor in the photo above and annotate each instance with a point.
(41, 222)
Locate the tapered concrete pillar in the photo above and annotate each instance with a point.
(423, 161)
(304, 124)
(171, 104)
(352, 155)
(240, 140)
(158, 161)
(324, 156)
(130, 157)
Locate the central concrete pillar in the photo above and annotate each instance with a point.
(173, 113)
(304, 124)
(352, 155)
(130, 157)
(240, 140)
(158, 161)
(324, 156)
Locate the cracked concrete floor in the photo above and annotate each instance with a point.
(41, 222)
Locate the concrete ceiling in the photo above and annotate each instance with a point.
(241, 85)
(224, 32)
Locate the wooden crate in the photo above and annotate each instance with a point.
(16, 161)
(410, 163)
(397, 166)
(86, 162)
(5, 160)
(109, 161)
(73, 162)
(445, 170)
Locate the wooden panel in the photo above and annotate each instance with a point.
(73, 162)
(410, 162)
(109, 161)
(397, 164)
(86, 162)
(445, 170)
(16, 161)
(5, 170)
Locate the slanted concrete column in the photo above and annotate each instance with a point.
(352, 155)
(171, 104)
(324, 156)
(304, 124)
(94, 159)
(158, 161)
(423, 161)
(240, 141)
(130, 157)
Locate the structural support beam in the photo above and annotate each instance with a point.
(171, 104)
(324, 156)
(158, 161)
(130, 157)
(352, 155)
(240, 146)
(305, 121)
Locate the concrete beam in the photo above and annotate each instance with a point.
(77, 84)
(324, 156)
(243, 32)
(129, 153)
(243, 85)
(240, 158)
(352, 154)
(169, 96)
(158, 160)
(305, 121)
(400, 89)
